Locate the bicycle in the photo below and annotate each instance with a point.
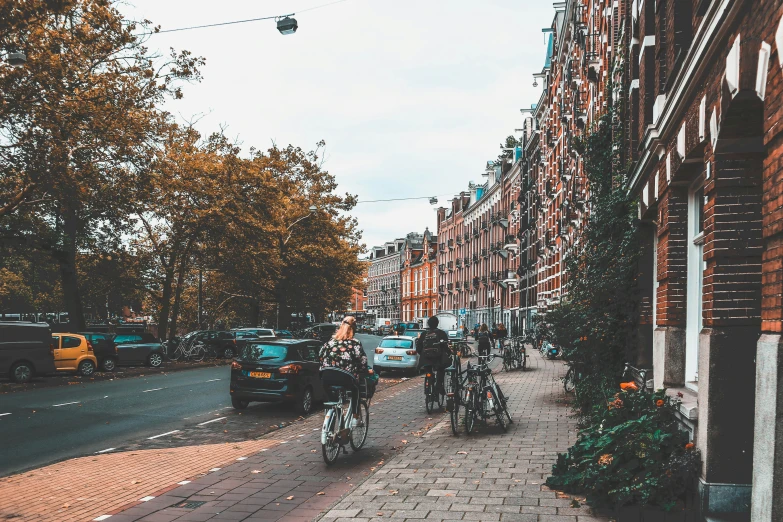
(483, 397)
(431, 390)
(455, 385)
(338, 429)
(572, 377)
(462, 347)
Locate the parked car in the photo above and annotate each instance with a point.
(455, 335)
(220, 343)
(412, 332)
(254, 333)
(284, 334)
(74, 353)
(26, 350)
(396, 352)
(322, 332)
(278, 370)
(385, 329)
(139, 348)
(103, 348)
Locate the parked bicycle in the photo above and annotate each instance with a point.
(483, 397)
(339, 427)
(455, 386)
(572, 377)
(514, 354)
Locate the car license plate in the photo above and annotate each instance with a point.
(261, 375)
(395, 357)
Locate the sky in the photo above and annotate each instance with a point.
(411, 97)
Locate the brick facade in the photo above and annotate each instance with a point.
(419, 277)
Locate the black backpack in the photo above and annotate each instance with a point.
(432, 345)
(483, 339)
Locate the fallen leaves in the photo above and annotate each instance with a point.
(256, 471)
(320, 493)
(404, 441)
(289, 497)
(393, 491)
(462, 453)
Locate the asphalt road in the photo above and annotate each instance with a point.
(43, 426)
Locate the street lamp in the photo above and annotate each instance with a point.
(287, 25)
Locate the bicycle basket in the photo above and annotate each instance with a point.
(367, 388)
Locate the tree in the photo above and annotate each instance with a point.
(78, 122)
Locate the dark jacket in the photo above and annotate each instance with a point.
(440, 336)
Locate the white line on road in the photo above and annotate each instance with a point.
(154, 389)
(215, 469)
(146, 499)
(163, 434)
(212, 380)
(183, 482)
(106, 450)
(4, 414)
(64, 404)
(213, 420)
(241, 458)
(102, 517)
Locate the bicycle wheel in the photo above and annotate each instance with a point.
(359, 434)
(198, 353)
(176, 355)
(429, 392)
(330, 450)
(569, 384)
(503, 402)
(454, 414)
(470, 411)
(501, 416)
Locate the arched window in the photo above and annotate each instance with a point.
(426, 280)
(424, 312)
(434, 307)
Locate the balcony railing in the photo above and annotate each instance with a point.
(466, 237)
(458, 263)
(442, 269)
(459, 240)
(484, 280)
(484, 225)
(442, 247)
(484, 252)
(451, 244)
(475, 232)
(475, 258)
(466, 260)
(450, 266)
(442, 289)
(476, 281)
(502, 217)
(450, 287)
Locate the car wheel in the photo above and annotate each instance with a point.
(22, 372)
(228, 353)
(305, 403)
(239, 404)
(109, 364)
(86, 368)
(155, 360)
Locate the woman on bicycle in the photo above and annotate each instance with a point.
(484, 338)
(345, 353)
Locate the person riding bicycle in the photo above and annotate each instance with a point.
(433, 347)
(345, 354)
(484, 339)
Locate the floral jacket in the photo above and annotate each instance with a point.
(347, 355)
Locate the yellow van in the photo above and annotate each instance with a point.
(73, 352)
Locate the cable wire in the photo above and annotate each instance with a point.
(234, 22)
(399, 199)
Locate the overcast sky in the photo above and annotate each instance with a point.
(411, 96)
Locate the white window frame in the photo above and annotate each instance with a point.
(695, 286)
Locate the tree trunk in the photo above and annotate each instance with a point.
(68, 274)
(181, 272)
(165, 306)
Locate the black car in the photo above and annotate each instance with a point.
(25, 350)
(104, 349)
(222, 344)
(322, 332)
(139, 348)
(277, 370)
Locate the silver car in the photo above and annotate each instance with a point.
(396, 352)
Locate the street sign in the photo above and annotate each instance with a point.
(461, 311)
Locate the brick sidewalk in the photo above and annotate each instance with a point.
(86, 488)
(490, 476)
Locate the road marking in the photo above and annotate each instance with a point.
(213, 420)
(146, 499)
(106, 450)
(212, 380)
(241, 458)
(102, 517)
(4, 414)
(215, 469)
(64, 404)
(183, 482)
(163, 434)
(154, 389)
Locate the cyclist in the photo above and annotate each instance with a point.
(433, 347)
(345, 354)
(485, 340)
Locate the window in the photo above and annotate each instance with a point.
(127, 339)
(56, 341)
(695, 267)
(71, 342)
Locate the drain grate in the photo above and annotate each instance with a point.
(191, 504)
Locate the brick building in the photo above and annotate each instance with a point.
(383, 280)
(419, 277)
(703, 83)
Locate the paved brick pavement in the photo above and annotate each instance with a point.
(490, 476)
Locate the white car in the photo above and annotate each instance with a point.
(396, 352)
(455, 335)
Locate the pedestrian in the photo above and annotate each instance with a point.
(465, 332)
(484, 339)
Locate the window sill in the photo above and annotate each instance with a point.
(689, 407)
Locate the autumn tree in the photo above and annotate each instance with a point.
(78, 123)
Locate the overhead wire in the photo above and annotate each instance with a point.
(234, 22)
(400, 199)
